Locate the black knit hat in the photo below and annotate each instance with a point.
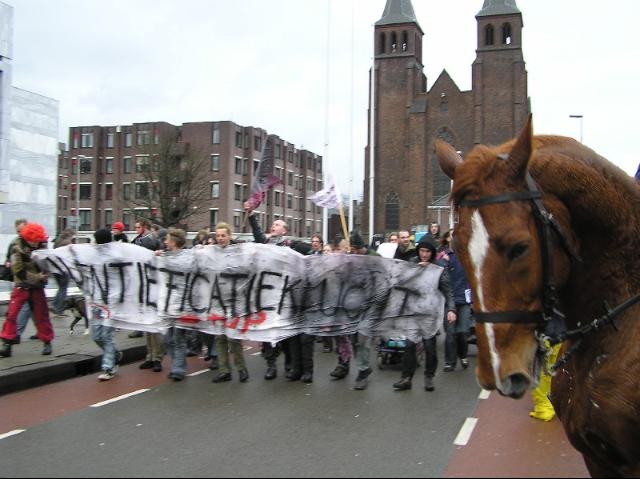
(357, 241)
(103, 236)
(428, 243)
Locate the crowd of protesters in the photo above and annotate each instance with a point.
(28, 299)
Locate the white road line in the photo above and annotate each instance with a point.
(248, 348)
(11, 433)
(198, 373)
(484, 394)
(119, 398)
(256, 354)
(465, 432)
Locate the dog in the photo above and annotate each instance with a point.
(78, 308)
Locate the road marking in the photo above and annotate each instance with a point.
(465, 432)
(248, 348)
(11, 433)
(119, 398)
(256, 354)
(198, 373)
(484, 394)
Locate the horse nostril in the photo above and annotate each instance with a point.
(516, 385)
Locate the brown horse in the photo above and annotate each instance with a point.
(595, 208)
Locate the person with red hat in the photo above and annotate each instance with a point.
(117, 231)
(29, 282)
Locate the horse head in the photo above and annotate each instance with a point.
(500, 246)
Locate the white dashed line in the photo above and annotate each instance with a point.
(11, 433)
(256, 354)
(465, 432)
(198, 373)
(484, 394)
(119, 398)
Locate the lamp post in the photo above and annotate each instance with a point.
(580, 117)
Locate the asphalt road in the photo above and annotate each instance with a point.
(199, 429)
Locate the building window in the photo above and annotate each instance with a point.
(382, 45)
(290, 178)
(405, 42)
(126, 219)
(85, 192)
(237, 189)
(216, 134)
(143, 137)
(126, 191)
(238, 139)
(76, 140)
(392, 212)
(213, 219)
(85, 220)
(394, 42)
(256, 165)
(108, 218)
(108, 191)
(142, 191)
(215, 190)
(110, 140)
(64, 202)
(238, 166)
(85, 165)
(277, 151)
(142, 164)
(245, 166)
(215, 162)
(86, 140)
(488, 35)
(126, 165)
(128, 139)
(276, 200)
(108, 165)
(290, 201)
(506, 34)
(257, 143)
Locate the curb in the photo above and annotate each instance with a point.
(62, 368)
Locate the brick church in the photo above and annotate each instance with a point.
(409, 187)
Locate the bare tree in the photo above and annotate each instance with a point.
(172, 183)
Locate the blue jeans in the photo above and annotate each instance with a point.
(103, 337)
(61, 296)
(176, 342)
(23, 318)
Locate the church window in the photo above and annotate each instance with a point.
(392, 212)
(488, 35)
(507, 39)
(394, 42)
(405, 41)
(382, 48)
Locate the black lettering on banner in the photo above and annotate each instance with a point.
(362, 306)
(216, 293)
(234, 277)
(141, 286)
(265, 287)
(324, 286)
(191, 285)
(185, 291)
(85, 273)
(121, 267)
(247, 294)
(290, 290)
(170, 286)
(150, 281)
(104, 289)
(408, 292)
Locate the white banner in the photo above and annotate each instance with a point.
(253, 291)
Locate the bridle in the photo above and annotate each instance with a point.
(550, 321)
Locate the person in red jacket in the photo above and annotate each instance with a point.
(29, 283)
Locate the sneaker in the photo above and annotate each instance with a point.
(222, 378)
(340, 372)
(108, 374)
(176, 377)
(307, 378)
(157, 366)
(86, 332)
(403, 385)
(449, 368)
(244, 375)
(47, 350)
(464, 363)
(272, 373)
(5, 351)
(362, 381)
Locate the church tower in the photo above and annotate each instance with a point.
(399, 82)
(499, 80)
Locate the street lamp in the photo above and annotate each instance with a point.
(581, 119)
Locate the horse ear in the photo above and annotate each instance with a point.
(521, 152)
(448, 158)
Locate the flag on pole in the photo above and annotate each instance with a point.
(327, 197)
(264, 179)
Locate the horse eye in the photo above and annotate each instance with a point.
(518, 251)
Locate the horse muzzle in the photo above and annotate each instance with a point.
(515, 385)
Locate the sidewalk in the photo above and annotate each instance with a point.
(73, 355)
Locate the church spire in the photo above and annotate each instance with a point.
(498, 7)
(398, 11)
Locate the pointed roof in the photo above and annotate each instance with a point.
(398, 11)
(498, 7)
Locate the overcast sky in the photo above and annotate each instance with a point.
(262, 63)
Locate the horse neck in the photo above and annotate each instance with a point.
(603, 204)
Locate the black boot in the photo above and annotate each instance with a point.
(47, 350)
(403, 385)
(307, 377)
(293, 376)
(5, 351)
(341, 371)
(272, 372)
(244, 375)
(428, 383)
(222, 377)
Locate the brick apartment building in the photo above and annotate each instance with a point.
(111, 161)
(410, 188)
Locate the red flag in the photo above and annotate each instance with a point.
(265, 179)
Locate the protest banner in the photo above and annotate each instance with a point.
(253, 291)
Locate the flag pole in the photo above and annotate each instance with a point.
(345, 230)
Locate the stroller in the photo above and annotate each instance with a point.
(390, 351)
